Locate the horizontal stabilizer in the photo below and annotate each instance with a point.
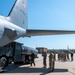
(47, 32)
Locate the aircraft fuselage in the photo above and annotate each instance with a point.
(9, 31)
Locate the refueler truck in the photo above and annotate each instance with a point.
(15, 52)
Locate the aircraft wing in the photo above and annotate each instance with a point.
(47, 32)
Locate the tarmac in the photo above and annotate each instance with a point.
(61, 68)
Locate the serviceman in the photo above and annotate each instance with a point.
(32, 59)
(59, 56)
(64, 56)
(51, 61)
(44, 54)
(67, 55)
(71, 56)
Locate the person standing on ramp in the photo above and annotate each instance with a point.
(32, 58)
(51, 61)
(44, 54)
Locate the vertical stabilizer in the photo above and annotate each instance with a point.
(18, 13)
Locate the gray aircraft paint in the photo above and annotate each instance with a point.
(18, 14)
(15, 25)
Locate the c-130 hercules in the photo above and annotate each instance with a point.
(15, 25)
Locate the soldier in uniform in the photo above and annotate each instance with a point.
(58, 56)
(44, 54)
(64, 56)
(71, 56)
(32, 58)
(67, 55)
(51, 61)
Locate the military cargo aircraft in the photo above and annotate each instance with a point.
(15, 25)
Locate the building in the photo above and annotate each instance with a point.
(41, 49)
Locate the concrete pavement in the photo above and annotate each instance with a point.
(61, 68)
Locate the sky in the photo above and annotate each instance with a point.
(48, 15)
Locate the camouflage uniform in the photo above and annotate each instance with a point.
(32, 58)
(44, 59)
(67, 55)
(59, 56)
(51, 61)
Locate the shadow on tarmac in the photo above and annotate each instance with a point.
(30, 69)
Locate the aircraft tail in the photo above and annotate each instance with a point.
(18, 14)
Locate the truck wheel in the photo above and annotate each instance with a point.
(3, 62)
